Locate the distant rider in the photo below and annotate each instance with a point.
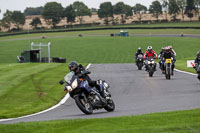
(150, 53)
(80, 71)
(169, 55)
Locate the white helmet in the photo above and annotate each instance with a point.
(149, 48)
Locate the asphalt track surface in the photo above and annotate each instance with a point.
(133, 92)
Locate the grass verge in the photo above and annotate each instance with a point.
(170, 122)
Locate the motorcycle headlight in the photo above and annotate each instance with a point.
(75, 84)
(149, 62)
(69, 88)
(153, 62)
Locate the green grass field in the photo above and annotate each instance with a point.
(36, 85)
(101, 49)
(29, 88)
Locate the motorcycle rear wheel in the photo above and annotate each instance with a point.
(84, 107)
(151, 71)
(110, 106)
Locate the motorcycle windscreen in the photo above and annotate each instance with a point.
(140, 56)
(85, 85)
(68, 77)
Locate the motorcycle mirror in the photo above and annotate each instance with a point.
(61, 82)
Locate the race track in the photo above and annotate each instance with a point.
(134, 92)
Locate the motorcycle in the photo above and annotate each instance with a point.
(168, 69)
(88, 98)
(151, 65)
(139, 61)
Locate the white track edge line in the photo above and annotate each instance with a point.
(185, 72)
(57, 105)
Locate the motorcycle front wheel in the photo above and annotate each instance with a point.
(140, 64)
(168, 73)
(151, 71)
(83, 105)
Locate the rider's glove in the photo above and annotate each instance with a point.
(66, 91)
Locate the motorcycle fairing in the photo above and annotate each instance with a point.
(84, 84)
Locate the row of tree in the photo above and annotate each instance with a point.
(53, 12)
(172, 7)
(176, 7)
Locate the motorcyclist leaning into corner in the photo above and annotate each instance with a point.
(197, 61)
(167, 54)
(139, 51)
(150, 53)
(80, 71)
